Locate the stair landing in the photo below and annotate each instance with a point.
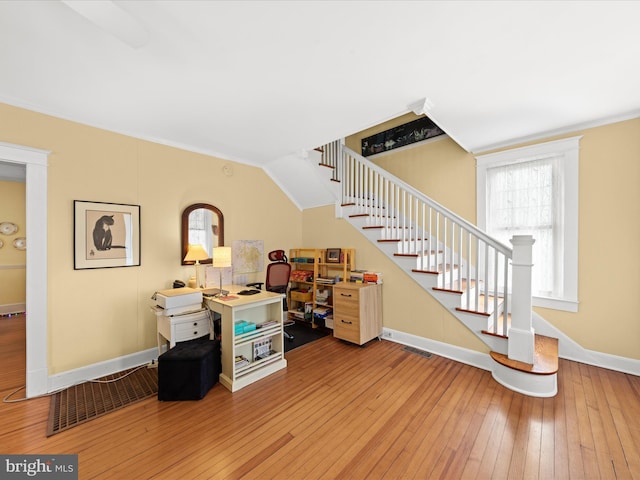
(545, 358)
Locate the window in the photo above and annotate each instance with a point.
(200, 228)
(534, 191)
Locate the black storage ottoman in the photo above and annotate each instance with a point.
(188, 370)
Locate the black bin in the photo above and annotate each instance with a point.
(188, 370)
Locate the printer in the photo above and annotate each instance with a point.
(178, 301)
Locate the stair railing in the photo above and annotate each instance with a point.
(467, 259)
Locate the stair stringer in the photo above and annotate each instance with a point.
(449, 300)
(519, 381)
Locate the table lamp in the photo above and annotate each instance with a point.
(195, 253)
(221, 259)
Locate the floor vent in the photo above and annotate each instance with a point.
(86, 401)
(417, 351)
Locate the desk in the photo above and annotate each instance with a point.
(263, 309)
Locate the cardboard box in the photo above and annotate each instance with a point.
(300, 296)
(178, 297)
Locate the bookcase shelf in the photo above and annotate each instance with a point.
(312, 282)
(262, 308)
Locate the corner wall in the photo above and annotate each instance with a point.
(98, 315)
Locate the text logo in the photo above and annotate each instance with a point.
(51, 467)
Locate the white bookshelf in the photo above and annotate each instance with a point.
(258, 309)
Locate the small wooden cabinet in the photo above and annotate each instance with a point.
(357, 312)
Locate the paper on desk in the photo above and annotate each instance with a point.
(212, 276)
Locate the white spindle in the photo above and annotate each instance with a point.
(496, 269)
(505, 304)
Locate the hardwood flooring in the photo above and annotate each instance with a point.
(345, 412)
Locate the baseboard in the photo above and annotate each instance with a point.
(608, 361)
(484, 361)
(569, 349)
(459, 354)
(66, 379)
(12, 308)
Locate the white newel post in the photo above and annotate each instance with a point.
(521, 333)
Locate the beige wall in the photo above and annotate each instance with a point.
(12, 260)
(405, 305)
(609, 206)
(97, 315)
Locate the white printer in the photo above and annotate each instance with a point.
(177, 301)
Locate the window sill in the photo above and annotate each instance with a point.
(556, 304)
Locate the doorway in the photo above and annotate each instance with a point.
(35, 163)
(12, 277)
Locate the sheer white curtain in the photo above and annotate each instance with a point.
(200, 229)
(526, 198)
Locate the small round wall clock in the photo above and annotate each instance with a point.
(20, 243)
(8, 228)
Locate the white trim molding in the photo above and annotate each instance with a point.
(9, 309)
(69, 378)
(36, 162)
(568, 349)
(569, 149)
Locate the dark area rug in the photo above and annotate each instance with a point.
(302, 334)
(80, 403)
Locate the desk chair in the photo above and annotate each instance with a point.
(277, 280)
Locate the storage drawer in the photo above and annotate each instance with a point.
(349, 309)
(298, 296)
(346, 328)
(192, 329)
(346, 296)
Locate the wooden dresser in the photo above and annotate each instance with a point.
(357, 312)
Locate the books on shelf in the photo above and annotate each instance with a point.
(327, 280)
(268, 324)
(364, 276)
(302, 260)
(262, 348)
(322, 312)
(301, 276)
(241, 361)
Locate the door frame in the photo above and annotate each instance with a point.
(36, 162)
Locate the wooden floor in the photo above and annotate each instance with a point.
(340, 411)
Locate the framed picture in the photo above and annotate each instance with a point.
(333, 255)
(415, 131)
(105, 235)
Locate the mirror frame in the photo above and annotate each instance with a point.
(185, 230)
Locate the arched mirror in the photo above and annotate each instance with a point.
(201, 223)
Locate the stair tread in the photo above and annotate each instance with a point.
(546, 348)
(545, 358)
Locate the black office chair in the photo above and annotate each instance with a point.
(277, 280)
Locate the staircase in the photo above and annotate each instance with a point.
(485, 284)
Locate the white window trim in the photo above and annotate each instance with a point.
(569, 148)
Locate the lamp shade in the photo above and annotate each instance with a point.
(221, 257)
(195, 253)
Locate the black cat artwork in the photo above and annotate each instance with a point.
(102, 238)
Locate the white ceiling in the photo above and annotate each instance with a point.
(258, 81)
